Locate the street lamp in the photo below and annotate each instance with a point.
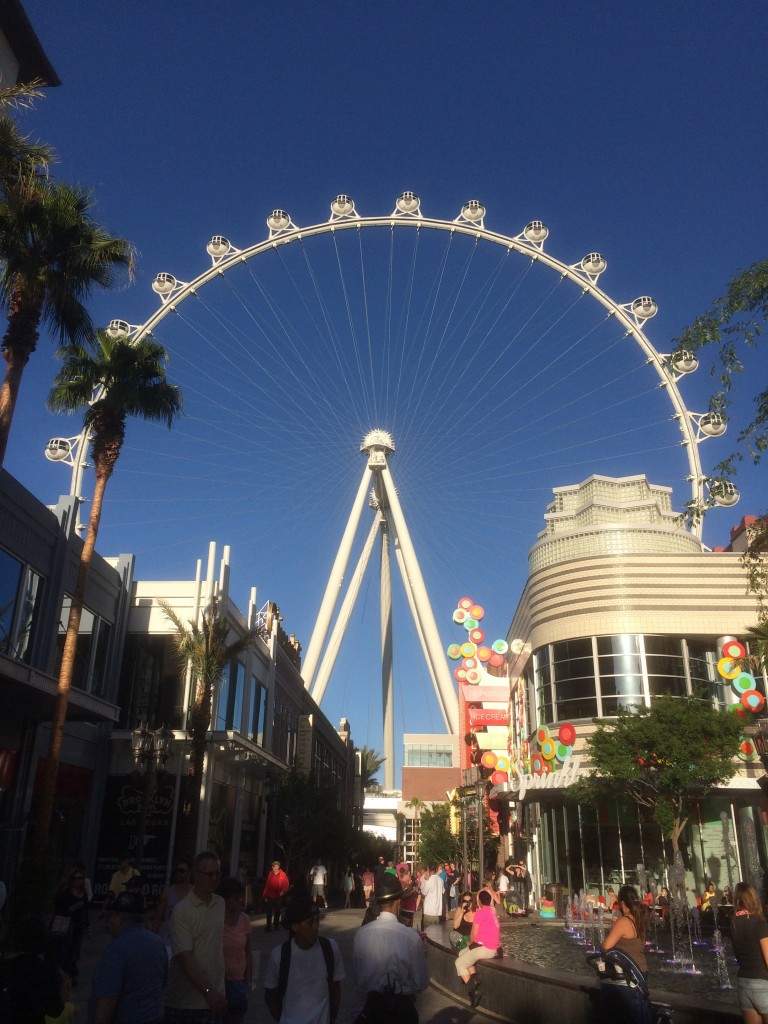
(149, 749)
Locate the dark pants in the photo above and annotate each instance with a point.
(621, 1004)
(273, 911)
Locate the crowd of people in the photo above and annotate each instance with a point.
(190, 961)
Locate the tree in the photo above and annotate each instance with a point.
(758, 645)
(417, 805)
(662, 757)
(309, 823)
(52, 256)
(437, 843)
(732, 323)
(370, 762)
(113, 379)
(207, 650)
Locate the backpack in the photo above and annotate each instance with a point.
(285, 965)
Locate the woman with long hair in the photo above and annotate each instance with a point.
(749, 934)
(463, 916)
(619, 1003)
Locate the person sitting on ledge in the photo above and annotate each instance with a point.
(483, 945)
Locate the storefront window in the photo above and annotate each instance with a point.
(90, 651)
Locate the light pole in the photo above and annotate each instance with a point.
(149, 748)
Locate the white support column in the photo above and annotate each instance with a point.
(414, 615)
(445, 688)
(387, 677)
(335, 580)
(334, 644)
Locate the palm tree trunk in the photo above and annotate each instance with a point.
(19, 343)
(48, 788)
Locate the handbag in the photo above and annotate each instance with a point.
(60, 925)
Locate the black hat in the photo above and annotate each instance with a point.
(389, 889)
(129, 901)
(299, 910)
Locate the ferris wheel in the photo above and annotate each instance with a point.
(497, 369)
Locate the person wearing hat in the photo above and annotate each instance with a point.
(302, 984)
(128, 982)
(389, 962)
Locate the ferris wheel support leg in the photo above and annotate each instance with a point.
(415, 581)
(334, 644)
(417, 624)
(387, 677)
(335, 580)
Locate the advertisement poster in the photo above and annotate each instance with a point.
(120, 826)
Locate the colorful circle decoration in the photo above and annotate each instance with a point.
(566, 734)
(460, 615)
(563, 752)
(473, 676)
(465, 603)
(733, 649)
(470, 624)
(753, 701)
(727, 668)
(489, 759)
(477, 611)
(460, 675)
(496, 660)
(502, 763)
(743, 682)
(499, 778)
(739, 710)
(454, 652)
(747, 750)
(500, 646)
(537, 764)
(468, 650)
(476, 636)
(483, 653)
(469, 663)
(546, 767)
(542, 733)
(548, 749)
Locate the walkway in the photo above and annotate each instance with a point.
(434, 1007)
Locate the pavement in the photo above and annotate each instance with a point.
(433, 1005)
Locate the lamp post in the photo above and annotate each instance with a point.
(149, 749)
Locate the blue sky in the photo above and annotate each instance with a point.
(637, 131)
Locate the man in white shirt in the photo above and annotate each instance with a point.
(302, 981)
(432, 893)
(389, 962)
(318, 877)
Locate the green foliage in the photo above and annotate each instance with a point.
(733, 324)
(437, 843)
(661, 757)
(370, 762)
(309, 822)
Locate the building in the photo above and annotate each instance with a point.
(22, 58)
(264, 723)
(39, 556)
(622, 604)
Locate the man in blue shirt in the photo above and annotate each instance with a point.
(128, 982)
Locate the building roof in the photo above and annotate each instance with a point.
(27, 48)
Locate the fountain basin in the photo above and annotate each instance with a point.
(518, 992)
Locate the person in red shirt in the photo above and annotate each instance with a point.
(275, 887)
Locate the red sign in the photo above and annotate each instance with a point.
(488, 716)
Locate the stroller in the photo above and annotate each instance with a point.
(617, 968)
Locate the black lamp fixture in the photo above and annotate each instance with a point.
(150, 746)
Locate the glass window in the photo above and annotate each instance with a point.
(10, 579)
(670, 684)
(583, 707)
(669, 645)
(619, 655)
(152, 682)
(566, 649)
(624, 686)
(543, 684)
(574, 668)
(87, 649)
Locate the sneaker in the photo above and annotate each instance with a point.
(476, 995)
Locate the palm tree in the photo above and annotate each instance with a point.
(370, 762)
(207, 650)
(113, 379)
(52, 256)
(758, 645)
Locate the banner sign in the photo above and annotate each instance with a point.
(492, 741)
(478, 694)
(488, 716)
